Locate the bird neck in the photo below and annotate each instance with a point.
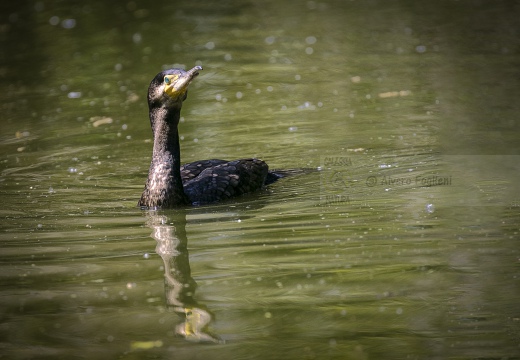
(164, 179)
(166, 134)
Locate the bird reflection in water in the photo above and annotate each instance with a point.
(172, 246)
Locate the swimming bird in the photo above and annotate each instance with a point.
(171, 185)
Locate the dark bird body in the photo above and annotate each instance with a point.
(171, 185)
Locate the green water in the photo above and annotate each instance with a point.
(402, 244)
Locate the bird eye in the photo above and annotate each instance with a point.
(167, 80)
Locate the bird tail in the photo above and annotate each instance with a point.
(275, 175)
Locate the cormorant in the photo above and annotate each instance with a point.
(171, 185)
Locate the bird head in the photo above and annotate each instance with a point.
(170, 87)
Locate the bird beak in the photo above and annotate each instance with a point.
(195, 71)
(179, 85)
(183, 82)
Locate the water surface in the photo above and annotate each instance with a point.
(403, 243)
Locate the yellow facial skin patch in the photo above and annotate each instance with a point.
(171, 86)
(176, 85)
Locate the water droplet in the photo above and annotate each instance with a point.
(310, 40)
(420, 49)
(74, 95)
(54, 20)
(68, 23)
(137, 38)
(270, 40)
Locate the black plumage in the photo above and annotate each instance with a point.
(171, 185)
